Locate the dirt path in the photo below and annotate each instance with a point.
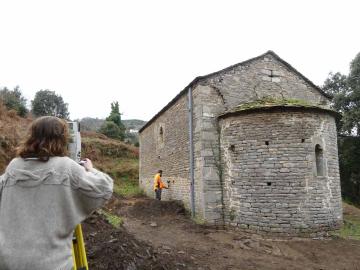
(165, 227)
(159, 236)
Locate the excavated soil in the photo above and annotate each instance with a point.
(160, 235)
(111, 248)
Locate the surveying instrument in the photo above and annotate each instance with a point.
(78, 245)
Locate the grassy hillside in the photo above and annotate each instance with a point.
(93, 124)
(131, 125)
(12, 130)
(134, 123)
(118, 159)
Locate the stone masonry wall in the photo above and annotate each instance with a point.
(165, 145)
(212, 96)
(208, 104)
(260, 78)
(221, 92)
(271, 183)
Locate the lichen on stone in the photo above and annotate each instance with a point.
(270, 102)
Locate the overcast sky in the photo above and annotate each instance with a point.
(143, 53)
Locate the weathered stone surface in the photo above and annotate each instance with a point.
(255, 171)
(297, 193)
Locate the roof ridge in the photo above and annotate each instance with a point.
(199, 78)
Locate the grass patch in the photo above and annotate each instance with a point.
(119, 160)
(127, 188)
(114, 220)
(350, 228)
(119, 168)
(198, 220)
(125, 173)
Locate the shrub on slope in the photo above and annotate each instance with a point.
(12, 130)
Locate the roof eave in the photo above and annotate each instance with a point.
(279, 108)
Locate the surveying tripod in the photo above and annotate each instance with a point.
(78, 245)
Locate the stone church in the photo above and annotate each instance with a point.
(253, 145)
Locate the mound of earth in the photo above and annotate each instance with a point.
(155, 208)
(111, 248)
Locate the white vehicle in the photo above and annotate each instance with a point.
(74, 146)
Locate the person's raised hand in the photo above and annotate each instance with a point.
(88, 164)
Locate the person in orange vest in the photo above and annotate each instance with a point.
(158, 185)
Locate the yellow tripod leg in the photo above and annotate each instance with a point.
(73, 256)
(79, 250)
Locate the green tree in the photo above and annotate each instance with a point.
(47, 102)
(336, 85)
(14, 100)
(115, 115)
(112, 130)
(115, 118)
(352, 117)
(346, 93)
(349, 160)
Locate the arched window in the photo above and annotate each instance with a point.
(319, 159)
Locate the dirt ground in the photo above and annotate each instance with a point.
(159, 235)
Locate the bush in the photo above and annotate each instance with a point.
(112, 130)
(115, 118)
(14, 100)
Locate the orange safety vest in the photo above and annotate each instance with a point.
(157, 182)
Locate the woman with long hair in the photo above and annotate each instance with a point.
(43, 196)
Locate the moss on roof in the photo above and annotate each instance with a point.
(270, 103)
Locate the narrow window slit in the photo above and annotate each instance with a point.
(161, 134)
(319, 159)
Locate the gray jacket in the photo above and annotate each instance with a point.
(40, 205)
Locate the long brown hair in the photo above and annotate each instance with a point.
(47, 137)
